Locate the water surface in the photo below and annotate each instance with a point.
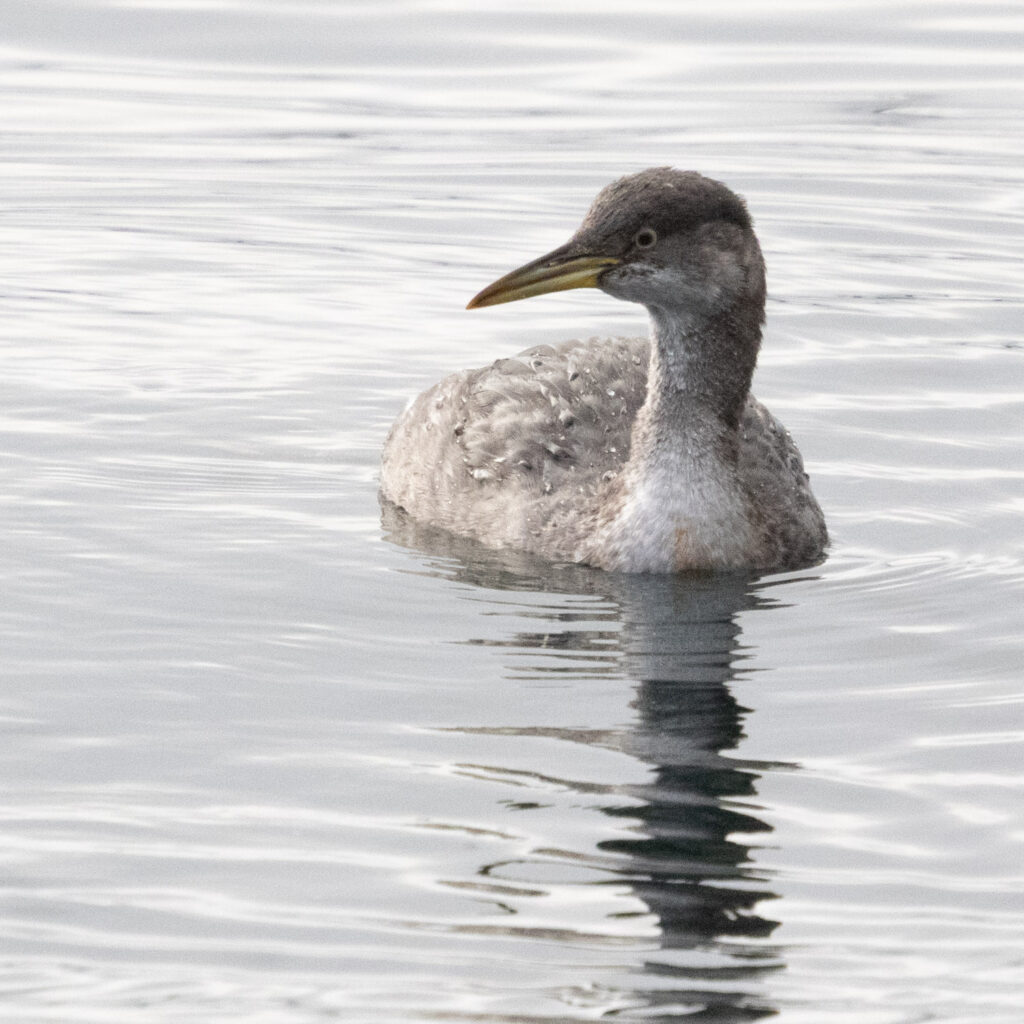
(268, 757)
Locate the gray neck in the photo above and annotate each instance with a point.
(697, 386)
(702, 368)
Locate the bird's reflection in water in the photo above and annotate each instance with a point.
(688, 832)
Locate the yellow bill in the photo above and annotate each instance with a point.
(551, 273)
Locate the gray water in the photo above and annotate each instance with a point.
(268, 758)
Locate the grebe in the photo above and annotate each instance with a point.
(625, 454)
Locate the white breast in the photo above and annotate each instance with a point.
(685, 515)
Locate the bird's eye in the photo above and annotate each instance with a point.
(645, 238)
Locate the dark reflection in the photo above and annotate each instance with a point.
(689, 856)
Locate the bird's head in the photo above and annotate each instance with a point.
(674, 241)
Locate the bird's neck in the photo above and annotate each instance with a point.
(682, 501)
(697, 387)
(701, 368)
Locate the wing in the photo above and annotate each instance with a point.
(782, 504)
(486, 451)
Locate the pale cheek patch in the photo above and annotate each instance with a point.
(632, 283)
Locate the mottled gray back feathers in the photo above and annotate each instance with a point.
(523, 453)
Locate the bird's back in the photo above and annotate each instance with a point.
(525, 452)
